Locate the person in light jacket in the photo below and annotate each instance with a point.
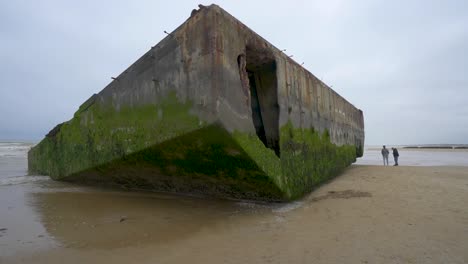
(385, 153)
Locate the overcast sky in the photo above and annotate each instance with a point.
(404, 63)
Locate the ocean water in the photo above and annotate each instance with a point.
(416, 157)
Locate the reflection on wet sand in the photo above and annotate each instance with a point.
(107, 220)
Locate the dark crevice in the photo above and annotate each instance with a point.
(256, 111)
(258, 74)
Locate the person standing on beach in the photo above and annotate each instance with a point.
(395, 156)
(385, 153)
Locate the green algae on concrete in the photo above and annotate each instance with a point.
(190, 158)
(308, 159)
(205, 161)
(159, 147)
(102, 134)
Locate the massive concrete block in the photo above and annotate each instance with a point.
(212, 109)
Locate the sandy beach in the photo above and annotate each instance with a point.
(369, 214)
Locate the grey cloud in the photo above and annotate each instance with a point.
(402, 62)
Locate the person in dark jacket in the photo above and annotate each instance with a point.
(395, 156)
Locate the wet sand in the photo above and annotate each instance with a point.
(369, 214)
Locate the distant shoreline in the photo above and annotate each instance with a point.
(442, 146)
(19, 142)
(420, 146)
(414, 146)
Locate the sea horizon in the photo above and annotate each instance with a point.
(35, 141)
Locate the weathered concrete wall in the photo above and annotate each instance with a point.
(303, 99)
(214, 109)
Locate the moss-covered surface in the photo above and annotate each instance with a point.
(308, 158)
(99, 134)
(206, 161)
(164, 147)
(159, 147)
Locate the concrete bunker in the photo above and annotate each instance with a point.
(258, 75)
(201, 130)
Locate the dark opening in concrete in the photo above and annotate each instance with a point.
(260, 69)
